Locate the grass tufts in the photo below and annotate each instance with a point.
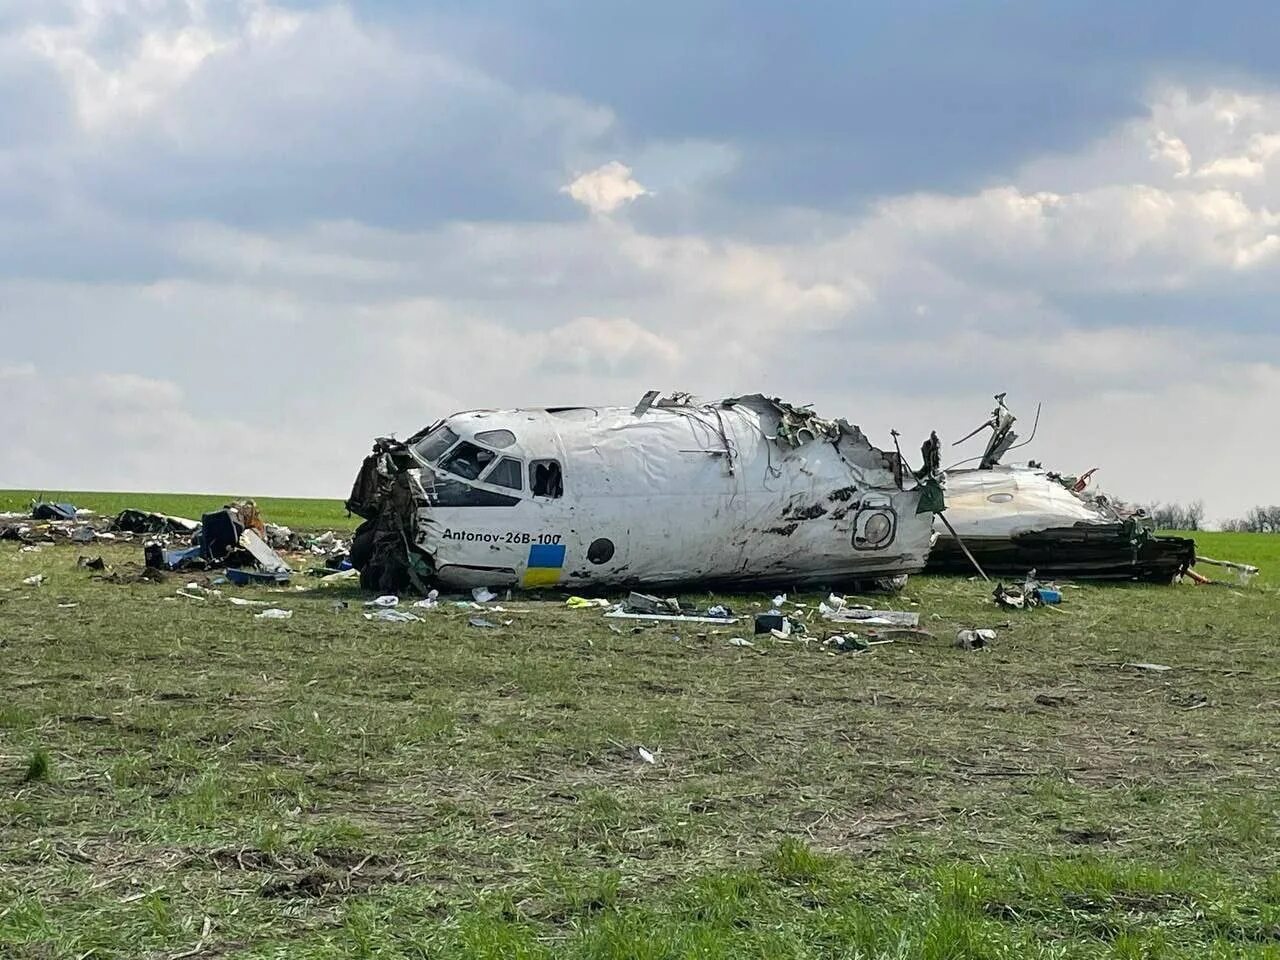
(39, 767)
(795, 862)
(345, 788)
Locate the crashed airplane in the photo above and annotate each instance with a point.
(748, 492)
(1021, 517)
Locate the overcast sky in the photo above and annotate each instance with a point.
(238, 239)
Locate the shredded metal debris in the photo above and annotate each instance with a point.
(1017, 517)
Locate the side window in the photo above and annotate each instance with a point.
(467, 460)
(435, 443)
(505, 473)
(545, 479)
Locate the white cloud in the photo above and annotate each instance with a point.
(220, 247)
(605, 347)
(160, 59)
(1172, 150)
(254, 112)
(124, 431)
(606, 188)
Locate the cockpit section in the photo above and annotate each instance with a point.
(481, 469)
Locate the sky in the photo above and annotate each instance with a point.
(240, 239)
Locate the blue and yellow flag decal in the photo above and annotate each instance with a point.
(546, 563)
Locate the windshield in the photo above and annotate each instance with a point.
(467, 460)
(507, 472)
(430, 447)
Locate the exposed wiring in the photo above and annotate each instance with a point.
(1034, 427)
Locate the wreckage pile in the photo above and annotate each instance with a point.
(749, 491)
(235, 538)
(1007, 519)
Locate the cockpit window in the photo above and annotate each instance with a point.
(505, 473)
(498, 439)
(467, 460)
(545, 479)
(430, 447)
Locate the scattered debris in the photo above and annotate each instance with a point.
(773, 622)
(391, 615)
(646, 756)
(387, 601)
(249, 578)
(841, 611)
(583, 603)
(740, 642)
(846, 643)
(34, 581)
(1149, 667)
(643, 603)
(145, 522)
(265, 558)
(275, 613)
(157, 557)
(623, 615)
(430, 601)
(482, 623)
(43, 510)
(1244, 572)
(1030, 593)
(974, 639)
(131, 573)
(1009, 599)
(341, 577)
(483, 595)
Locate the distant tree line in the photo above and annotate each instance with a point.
(1177, 516)
(1190, 516)
(1257, 520)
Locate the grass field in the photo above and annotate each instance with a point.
(298, 513)
(183, 780)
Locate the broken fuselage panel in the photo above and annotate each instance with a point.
(1016, 518)
(747, 491)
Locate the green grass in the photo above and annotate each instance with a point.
(298, 513)
(328, 787)
(1262, 550)
(37, 767)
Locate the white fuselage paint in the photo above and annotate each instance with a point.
(1005, 501)
(684, 495)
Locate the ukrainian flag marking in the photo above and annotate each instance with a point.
(546, 563)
